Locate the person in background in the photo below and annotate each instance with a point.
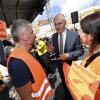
(2, 55)
(90, 35)
(41, 47)
(25, 71)
(8, 50)
(4, 81)
(67, 45)
(3, 36)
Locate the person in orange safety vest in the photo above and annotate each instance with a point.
(38, 88)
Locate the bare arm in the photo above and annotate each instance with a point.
(25, 92)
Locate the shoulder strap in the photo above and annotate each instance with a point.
(92, 58)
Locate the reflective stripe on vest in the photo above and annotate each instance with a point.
(46, 92)
(41, 89)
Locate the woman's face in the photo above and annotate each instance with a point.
(85, 38)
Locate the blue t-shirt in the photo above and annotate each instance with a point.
(19, 72)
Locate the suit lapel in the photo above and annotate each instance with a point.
(66, 48)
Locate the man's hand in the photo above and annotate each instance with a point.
(63, 56)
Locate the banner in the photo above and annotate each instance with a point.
(82, 82)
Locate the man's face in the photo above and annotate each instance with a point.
(59, 25)
(30, 35)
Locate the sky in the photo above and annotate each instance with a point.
(66, 7)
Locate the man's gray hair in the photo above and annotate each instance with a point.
(17, 27)
(61, 16)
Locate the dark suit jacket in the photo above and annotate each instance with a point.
(2, 55)
(73, 45)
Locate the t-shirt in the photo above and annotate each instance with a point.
(19, 72)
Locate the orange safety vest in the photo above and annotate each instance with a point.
(41, 88)
(3, 33)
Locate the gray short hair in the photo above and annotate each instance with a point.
(17, 27)
(61, 16)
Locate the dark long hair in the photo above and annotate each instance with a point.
(91, 25)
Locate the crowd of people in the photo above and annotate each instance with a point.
(29, 63)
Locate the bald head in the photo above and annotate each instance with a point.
(59, 22)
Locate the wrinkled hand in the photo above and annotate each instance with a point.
(63, 56)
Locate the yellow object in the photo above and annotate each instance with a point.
(0, 76)
(41, 48)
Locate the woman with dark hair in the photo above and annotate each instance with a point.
(90, 35)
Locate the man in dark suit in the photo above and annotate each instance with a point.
(66, 45)
(72, 47)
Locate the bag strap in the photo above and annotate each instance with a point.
(92, 58)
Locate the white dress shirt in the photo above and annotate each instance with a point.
(64, 38)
